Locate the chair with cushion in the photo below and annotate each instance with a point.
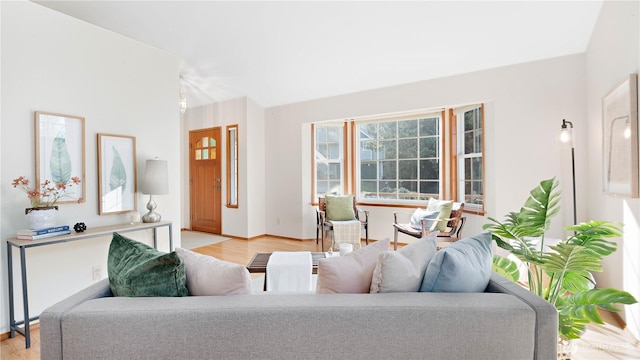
(340, 208)
(442, 216)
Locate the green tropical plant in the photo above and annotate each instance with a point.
(560, 273)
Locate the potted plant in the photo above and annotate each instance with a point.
(43, 210)
(559, 273)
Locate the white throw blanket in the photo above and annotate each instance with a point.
(346, 232)
(289, 271)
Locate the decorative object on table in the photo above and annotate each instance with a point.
(117, 177)
(566, 136)
(59, 149)
(620, 142)
(156, 182)
(79, 227)
(43, 213)
(560, 273)
(134, 217)
(41, 217)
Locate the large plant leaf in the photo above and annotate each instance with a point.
(506, 267)
(571, 328)
(584, 305)
(592, 236)
(540, 207)
(565, 258)
(118, 175)
(60, 162)
(578, 281)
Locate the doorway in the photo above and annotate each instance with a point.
(205, 185)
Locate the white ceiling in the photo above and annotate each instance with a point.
(284, 52)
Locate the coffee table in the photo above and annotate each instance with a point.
(258, 264)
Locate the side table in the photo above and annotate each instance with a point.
(22, 245)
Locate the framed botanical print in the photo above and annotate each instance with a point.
(59, 151)
(116, 174)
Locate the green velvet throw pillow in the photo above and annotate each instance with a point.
(340, 208)
(136, 269)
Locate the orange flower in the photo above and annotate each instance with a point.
(48, 194)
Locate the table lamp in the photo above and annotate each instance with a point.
(155, 183)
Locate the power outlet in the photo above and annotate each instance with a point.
(97, 272)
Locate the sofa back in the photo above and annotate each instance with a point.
(287, 326)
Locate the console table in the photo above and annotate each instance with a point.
(22, 245)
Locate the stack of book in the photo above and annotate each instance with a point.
(43, 233)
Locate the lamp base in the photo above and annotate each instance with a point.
(151, 216)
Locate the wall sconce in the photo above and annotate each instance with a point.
(566, 135)
(155, 183)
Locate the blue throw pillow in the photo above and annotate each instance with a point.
(464, 266)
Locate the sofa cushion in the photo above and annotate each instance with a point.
(444, 208)
(463, 266)
(340, 208)
(351, 273)
(207, 275)
(136, 269)
(419, 214)
(403, 270)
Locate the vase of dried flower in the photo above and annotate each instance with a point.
(41, 217)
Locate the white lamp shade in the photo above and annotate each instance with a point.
(156, 178)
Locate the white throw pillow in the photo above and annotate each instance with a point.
(444, 207)
(419, 214)
(403, 270)
(207, 275)
(350, 273)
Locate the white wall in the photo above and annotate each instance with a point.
(52, 62)
(612, 55)
(525, 107)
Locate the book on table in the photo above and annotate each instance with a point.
(43, 236)
(43, 231)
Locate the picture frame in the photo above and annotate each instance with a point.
(117, 176)
(60, 152)
(620, 139)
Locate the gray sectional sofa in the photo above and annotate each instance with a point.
(504, 322)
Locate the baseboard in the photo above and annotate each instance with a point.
(7, 335)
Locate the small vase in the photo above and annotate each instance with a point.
(41, 217)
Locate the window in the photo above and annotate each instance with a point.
(470, 156)
(232, 166)
(404, 159)
(399, 160)
(329, 166)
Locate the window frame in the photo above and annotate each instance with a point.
(233, 172)
(459, 187)
(344, 158)
(451, 179)
(356, 156)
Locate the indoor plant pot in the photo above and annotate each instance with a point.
(41, 217)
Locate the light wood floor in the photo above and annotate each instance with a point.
(600, 342)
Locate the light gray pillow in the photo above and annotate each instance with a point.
(403, 270)
(207, 275)
(419, 214)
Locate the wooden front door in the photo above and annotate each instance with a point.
(205, 181)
